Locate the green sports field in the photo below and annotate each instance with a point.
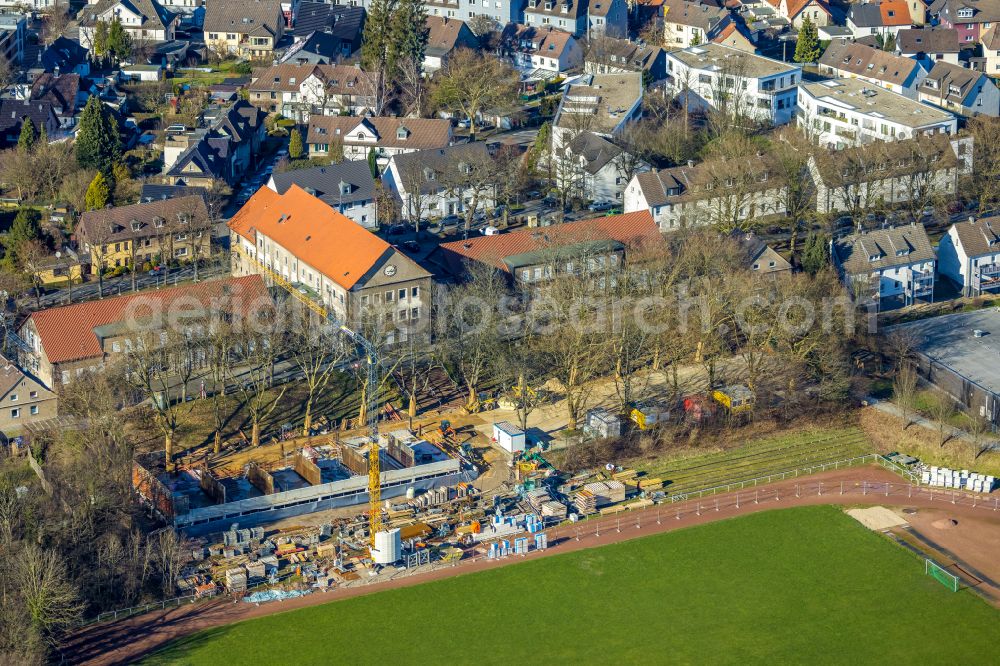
(803, 585)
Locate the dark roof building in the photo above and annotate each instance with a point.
(336, 184)
(13, 113)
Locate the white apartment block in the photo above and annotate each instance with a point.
(839, 113)
(735, 82)
(969, 255)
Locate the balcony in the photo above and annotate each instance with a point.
(921, 284)
(986, 278)
(830, 113)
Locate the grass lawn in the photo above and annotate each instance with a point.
(804, 585)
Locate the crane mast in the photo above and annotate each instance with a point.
(373, 362)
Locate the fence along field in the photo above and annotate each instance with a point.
(759, 459)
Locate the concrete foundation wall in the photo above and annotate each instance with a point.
(308, 470)
(212, 487)
(338, 494)
(260, 479)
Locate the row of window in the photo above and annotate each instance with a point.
(31, 394)
(389, 296)
(16, 412)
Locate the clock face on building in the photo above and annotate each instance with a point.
(390, 270)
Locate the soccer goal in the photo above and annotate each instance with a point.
(939, 573)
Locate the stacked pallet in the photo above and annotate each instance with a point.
(647, 483)
(553, 509)
(586, 502)
(607, 492)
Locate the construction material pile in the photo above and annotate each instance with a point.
(942, 477)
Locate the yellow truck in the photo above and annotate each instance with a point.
(736, 398)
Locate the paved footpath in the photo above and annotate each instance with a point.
(127, 641)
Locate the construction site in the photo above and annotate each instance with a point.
(284, 479)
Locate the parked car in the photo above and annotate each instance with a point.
(450, 221)
(928, 212)
(398, 229)
(599, 206)
(411, 246)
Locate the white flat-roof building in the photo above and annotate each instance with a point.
(508, 436)
(839, 113)
(734, 82)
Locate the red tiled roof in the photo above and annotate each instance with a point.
(635, 230)
(900, 12)
(304, 225)
(67, 332)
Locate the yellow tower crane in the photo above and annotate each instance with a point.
(375, 523)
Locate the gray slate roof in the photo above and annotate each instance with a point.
(596, 150)
(928, 40)
(883, 248)
(979, 237)
(325, 182)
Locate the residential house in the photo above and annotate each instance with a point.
(348, 187)
(797, 11)
(568, 15)
(156, 192)
(384, 136)
(838, 113)
(224, 151)
(604, 168)
(530, 257)
(604, 104)
(963, 91)
(769, 86)
(928, 45)
(330, 31)
(59, 269)
(63, 92)
(884, 18)
(63, 343)
(501, 12)
(881, 68)
(760, 257)
(158, 231)
(969, 255)
(971, 18)
(23, 399)
(540, 52)
(146, 21)
(617, 56)
(299, 91)
(990, 42)
(184, 8)
(248, 29)
(737, 36)
(688, 23)
(901, 173)
(608, 18)
(330, 258)
(714, 192)
(65, 55)
(13, 113)
(13, 35)
(444, 36)
(443, 181)
(887, 267)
